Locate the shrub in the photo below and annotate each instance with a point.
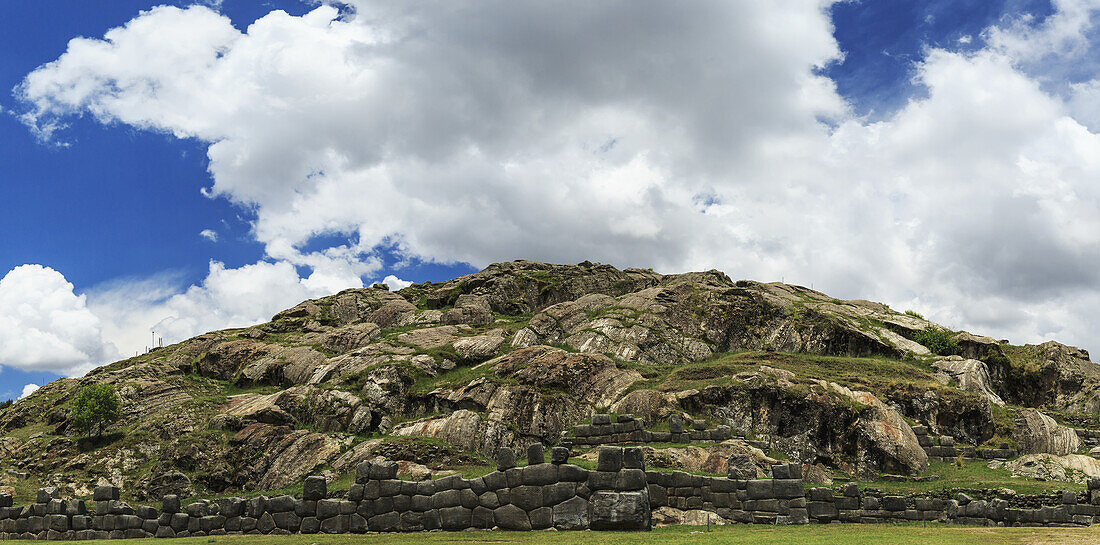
(95, 408)
(914, 314)
(937, 340)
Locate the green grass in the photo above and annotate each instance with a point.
(972, 474)
(877, 375)
(838, 534)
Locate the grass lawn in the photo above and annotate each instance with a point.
(973, 474)
(840, 534)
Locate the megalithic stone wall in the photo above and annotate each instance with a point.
(618, 495)
(539, 496)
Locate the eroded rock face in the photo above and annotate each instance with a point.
(542, 390)
(821, 425)
(1037, 433)
(971, 375)
(524, 287)
(463, 428)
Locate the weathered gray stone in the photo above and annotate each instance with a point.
(328, 508)
(362, 472)
(455, 518)
(540, 474)
(620, 510)
(280, 504)
(559, 455)
(315, 488)
(535, 454)
(511, 517)
(340, 524)
(571, 515)
(105, 493)
(675, 424)
(610, 459)
(634, 458)
(48, 493)
(310, 525)
(506, 459)
(384, 470)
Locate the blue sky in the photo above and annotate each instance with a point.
(544, 120)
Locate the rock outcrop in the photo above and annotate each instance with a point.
(971, 375)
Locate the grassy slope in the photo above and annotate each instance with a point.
(839, 534)
(972, 474)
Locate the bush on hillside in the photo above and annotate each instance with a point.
(937, 340)
(96, 407)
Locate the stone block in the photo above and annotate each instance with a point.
(525, 497)
(893, 503)
(265, 524)
(105, 493)
(613, 510)
(559, 455)
(603, 480)
(675, 424)
(851, 490)
(506, 459)
(634, 458)
(455, 518)
(281, 504)
(511, 517)
(601, 419)
(362, 472)
(794, 471)
(315, 488)
(385, 469)
(759, 489)
(179, 521)
(540, 474)
(630, 479)
(480, 518)
(572, 473)
(340, 524)
(170, 503)
(535, 455)
(779, 471)
(357, 524)
(610, 459)
(48, 493)
(310, 525)
(305, 508)
(198, 509)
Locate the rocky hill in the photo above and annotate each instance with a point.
(438, 376)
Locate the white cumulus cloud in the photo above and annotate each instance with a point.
(636, 133)
(28, 390)
(45, 326)
(396, 283)
(209, 234)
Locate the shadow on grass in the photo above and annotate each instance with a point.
(86, 444)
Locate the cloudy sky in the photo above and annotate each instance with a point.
(192, 166)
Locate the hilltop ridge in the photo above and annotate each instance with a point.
(438, 376)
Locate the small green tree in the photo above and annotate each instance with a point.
(96, 407)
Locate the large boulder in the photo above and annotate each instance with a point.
(1048, 467)
(1037, 433)
(885, 440)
